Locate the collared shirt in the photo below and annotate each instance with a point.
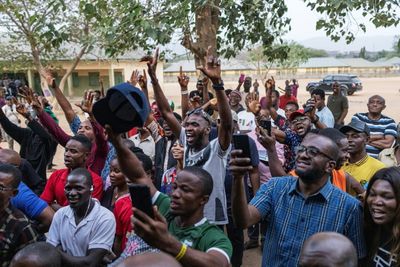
(388, 156)
(147, 145)
(363, 169)
(15, 233)
(96, 230)
(292, 218)
(54, 190)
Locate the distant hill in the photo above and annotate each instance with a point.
(371, 43)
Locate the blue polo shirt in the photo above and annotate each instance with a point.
(292, 218)
(28, 202)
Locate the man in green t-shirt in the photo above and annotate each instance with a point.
(179, 228)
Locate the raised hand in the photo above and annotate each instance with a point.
(21, 109)
(212, 69)
(134, 78)
(143, 80)
(51, 82)
(152, 64)
(114, 138)
(102, 94)
(267, 141)
(87, 103)
(270, 84)
(254, 103)
(153, 231)
(24, 92)
(239, 165)
(183, 79)
(195, 102)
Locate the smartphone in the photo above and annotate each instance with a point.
(241, 141)
(266, 125)
(141, 198)
(241, 78)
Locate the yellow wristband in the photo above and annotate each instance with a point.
(181, 253)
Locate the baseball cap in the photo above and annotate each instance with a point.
(356, 125)
(123, 108)
(296, 114)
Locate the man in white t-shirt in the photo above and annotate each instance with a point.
(199, 151)
(247, 120)
(323, 112)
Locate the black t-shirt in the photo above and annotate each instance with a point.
(383, 257)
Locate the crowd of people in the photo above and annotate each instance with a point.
(310, 189)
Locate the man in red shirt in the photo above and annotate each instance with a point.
(287, 97)
(77, 150)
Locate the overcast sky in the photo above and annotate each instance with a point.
(303, 22)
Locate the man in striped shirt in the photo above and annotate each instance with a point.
(382, 128)
(295, 209)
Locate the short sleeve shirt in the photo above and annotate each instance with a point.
(97, 230)
(214, 160)
(336, 104)
(363, 169)
(326, 117)
(383, 126)
(201, 236)
(54, 190)
(28, 202)
(123, 212)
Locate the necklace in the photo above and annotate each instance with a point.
(87, 209)
(90, 202)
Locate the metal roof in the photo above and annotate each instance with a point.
(362, 63)
(323, 62)
(226, 64)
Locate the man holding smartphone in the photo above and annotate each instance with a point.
(179, 227)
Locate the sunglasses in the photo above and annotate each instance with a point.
(199, 112)
(311, 151)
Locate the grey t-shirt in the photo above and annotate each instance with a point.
(214, 160)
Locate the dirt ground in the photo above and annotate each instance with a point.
(388, 88)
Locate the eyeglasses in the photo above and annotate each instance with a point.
(200, 112)
(3, 189)
(311, 151)
(299, 119)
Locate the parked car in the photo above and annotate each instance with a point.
(348, 83)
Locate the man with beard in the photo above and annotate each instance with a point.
(297, 208)
(199, 151)
(83, 232)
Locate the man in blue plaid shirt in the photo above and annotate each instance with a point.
(295, 208)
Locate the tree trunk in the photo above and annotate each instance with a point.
(207, 24)
(71, 69)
